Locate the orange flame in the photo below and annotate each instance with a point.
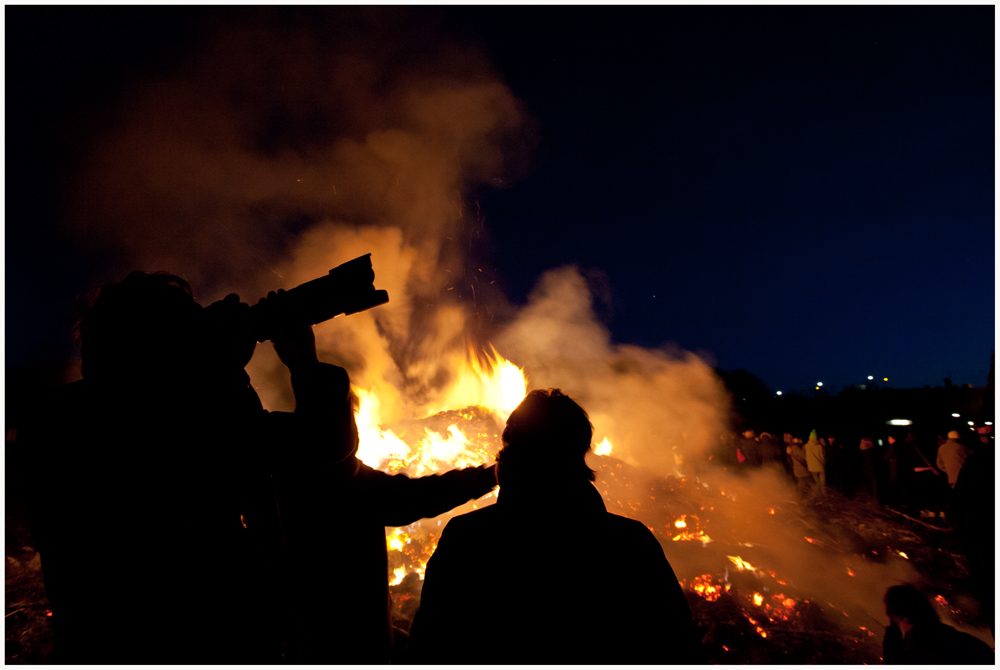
(604, 448)
(497, 385)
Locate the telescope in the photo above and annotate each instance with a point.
(346, 289)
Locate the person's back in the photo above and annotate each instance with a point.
(799, 464)
(140, 501)
(336, 579)
(564, 583)
(815, 456)
(951, 457)
(547, 575)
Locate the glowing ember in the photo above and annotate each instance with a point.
(397, 576)
(903, 554)
(770, 510)
(940, 600)
(758, 599)
(680, 523)
(850, 572)
(688, 536)
(741, 564)
(604, 448)
(703, 586)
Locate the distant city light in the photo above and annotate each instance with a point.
(880, 443)
(956, 414)
(870, 377)
(819, 383)
(779, 392)
(899, 422)
(972, 423)
(988, 423)
(885, 379)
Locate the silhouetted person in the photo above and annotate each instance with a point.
(770, 451)
(800, 467)
(869, 467)
(974, 515)
(901, 457)
(751, 449)
(547, 575)
(834, 462)
(916, 636)
(850, 466)
(816, 463)
(150, 502)
(337, 578)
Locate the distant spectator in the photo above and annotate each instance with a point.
(900, 457)
(816, 463)
(799, 466)
(951, 456)
(770, 452)
(974, 516)
(869, 466)
(916, 636)
(750, 446)
(850, 467)
(834, 462)
(787, 441)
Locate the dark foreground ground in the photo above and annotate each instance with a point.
(866, 540)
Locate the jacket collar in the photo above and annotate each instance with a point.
(579, 497)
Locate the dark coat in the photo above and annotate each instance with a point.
(551, 579)
(337, 576)
(974, 516)
(752, 452)
(935, 644)
(153, 515)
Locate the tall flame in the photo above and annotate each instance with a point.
(496, 385)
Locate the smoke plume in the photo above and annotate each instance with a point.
(657, 407)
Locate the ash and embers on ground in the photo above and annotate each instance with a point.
(779, 582)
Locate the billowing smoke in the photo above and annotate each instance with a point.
(214, 170)
(284, 148)
(658, 408)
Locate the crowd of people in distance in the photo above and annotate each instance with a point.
(952, 479)
(897, 469)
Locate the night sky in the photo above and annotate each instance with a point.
(806, 193)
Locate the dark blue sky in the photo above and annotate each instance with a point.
(806, 193)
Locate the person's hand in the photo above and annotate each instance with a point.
(294, 341)
(226, 337)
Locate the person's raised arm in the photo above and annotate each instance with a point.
(398, 500)
(322, 431)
